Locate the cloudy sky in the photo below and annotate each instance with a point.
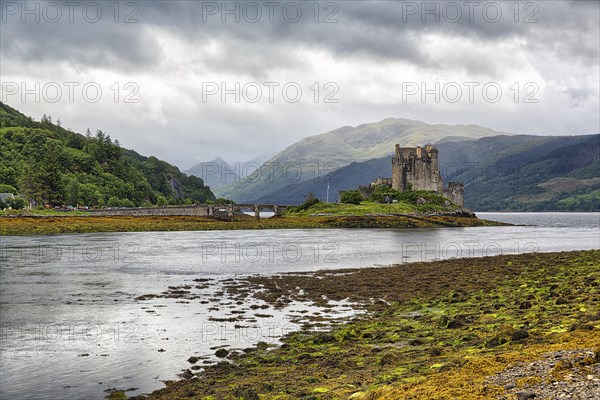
(189, 81)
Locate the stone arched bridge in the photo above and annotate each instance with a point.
(256, 208)
(210, 210)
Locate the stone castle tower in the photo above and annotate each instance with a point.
(416, 168)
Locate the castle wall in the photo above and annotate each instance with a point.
(197, 211)
(379, 181)
(455, 192)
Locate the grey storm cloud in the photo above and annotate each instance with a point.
(99, 44)
(388, 30)
(170, 48)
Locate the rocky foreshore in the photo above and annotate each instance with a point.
(504, 327)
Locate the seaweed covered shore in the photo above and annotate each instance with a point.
(503, 327)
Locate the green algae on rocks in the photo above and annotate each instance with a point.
(440, 330)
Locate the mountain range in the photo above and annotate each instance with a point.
(218, 172)
(315, 156)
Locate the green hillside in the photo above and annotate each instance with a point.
(539, 174)
(48, 164)
(315, 156)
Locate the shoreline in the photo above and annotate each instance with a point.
(440, 329)
(36, 225)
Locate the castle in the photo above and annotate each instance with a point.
(417, 168)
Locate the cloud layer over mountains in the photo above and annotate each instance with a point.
(189, 81)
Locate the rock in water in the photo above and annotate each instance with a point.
(221, 353)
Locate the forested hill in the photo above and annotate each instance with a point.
(51, 165)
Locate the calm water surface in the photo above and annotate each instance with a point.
(71, 327)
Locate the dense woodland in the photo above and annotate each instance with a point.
(49, 165)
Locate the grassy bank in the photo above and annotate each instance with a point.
(414, 203)
(446, 329)
(365, 208)
(83, 224)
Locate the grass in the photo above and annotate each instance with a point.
(354, 210)
(434, 203)
(44, 212)
(431, 330)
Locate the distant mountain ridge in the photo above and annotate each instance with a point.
(218, 173)
(215, 174)
(315, 156)
(516, 173)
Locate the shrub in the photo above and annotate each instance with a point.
(16, 203)
(381, 192)
(116, 202)
(222, 200)
(413, 197)
(309, 201)
(127, 203)
(351, 197)
(161, 200)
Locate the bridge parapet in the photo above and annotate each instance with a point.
(258, 208)
(210, 210)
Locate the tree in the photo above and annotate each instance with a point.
(9, 175)
(31, 184)
(351, 197)
(309, 201)
(16, 203)
(50, 174)
(2, 205)
(89, 195)
(41, 179)
(7, 189)
(72, 194)
(161, 200)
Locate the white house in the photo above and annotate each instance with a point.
(6, 196)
